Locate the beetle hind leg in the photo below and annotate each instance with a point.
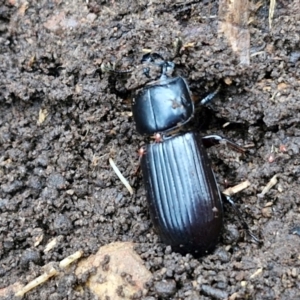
(241, 218)
(211, 140)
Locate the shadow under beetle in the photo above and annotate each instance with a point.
(184, 200)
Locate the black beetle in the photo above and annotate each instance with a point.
(184, 200)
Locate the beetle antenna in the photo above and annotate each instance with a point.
(167, 69)
(152, 57)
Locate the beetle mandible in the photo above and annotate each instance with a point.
(184, 200)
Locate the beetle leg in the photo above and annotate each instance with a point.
(178, 45)
(141, 152)
(211, 140)
(146, 72)
(158, 138)
(241, 218)
(210, 96)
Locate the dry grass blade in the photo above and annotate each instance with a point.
(36, 282)
(121, 177)
(271, 12)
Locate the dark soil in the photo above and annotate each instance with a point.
(55, 175)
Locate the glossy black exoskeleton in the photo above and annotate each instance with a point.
(184, 200)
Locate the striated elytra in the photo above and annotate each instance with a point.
(184, 200)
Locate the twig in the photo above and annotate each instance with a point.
(50, 273)
(235, 189)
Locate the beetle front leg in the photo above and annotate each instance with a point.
(211, 140)
(206, 100)
(141, 152)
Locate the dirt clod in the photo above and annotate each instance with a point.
(165, 289)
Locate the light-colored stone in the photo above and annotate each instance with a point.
(111, 279)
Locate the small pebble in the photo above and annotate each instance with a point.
(165, 288)
(62, 224)
(30, 255)
(223, 255)
(267, 212)
(57, 181)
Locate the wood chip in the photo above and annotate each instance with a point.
(269, 185)
(235, 189)
(43, 113)
(233, 16)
